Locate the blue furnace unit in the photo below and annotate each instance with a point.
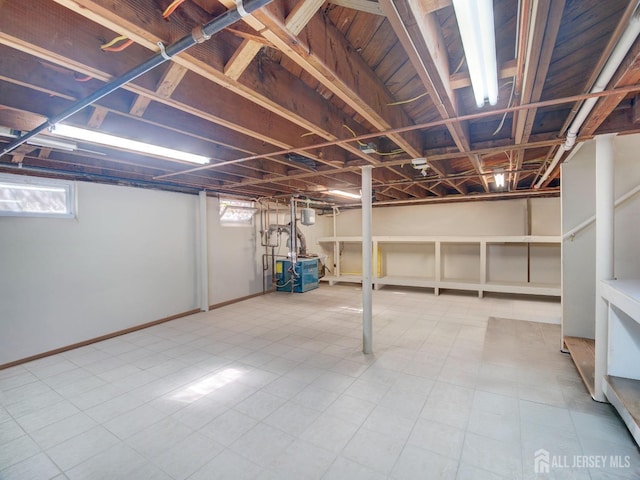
(306, 277)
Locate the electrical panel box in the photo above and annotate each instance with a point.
(302, 278)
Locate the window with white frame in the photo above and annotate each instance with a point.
(236, 212)
(22, 196)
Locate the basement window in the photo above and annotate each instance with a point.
(22, 196)
(236, 212)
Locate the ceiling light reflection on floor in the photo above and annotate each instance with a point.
(358, 310)
(208, 384)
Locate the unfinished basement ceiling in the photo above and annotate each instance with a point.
(294, 82)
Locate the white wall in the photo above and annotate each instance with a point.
(578, 205)
(234, 265)
(505, 217)
(128, 259)
(131, 257)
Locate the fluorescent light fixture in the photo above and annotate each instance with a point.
(126, 144)
(475, 21)
(342, 193)
(498, 178)
(48, 142)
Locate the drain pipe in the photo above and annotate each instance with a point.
(615, 59)
(199, 35)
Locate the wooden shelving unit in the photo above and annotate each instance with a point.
(428, 261)
(621, 385)
(583, 354)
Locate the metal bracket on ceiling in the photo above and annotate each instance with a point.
(240, 8)
(163, 51)
(199, 36)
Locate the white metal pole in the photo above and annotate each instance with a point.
(604, 253)
(204, 253)
(367, 303)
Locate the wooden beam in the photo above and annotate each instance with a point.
(463, 80)
(244, 55)
(27, 69)
(367, 6)
(170, 80)
(97, 117)
(139, 105)
(326, 55)
(540, 30)
(241, 58)
(420, 35)
(291, 99)
(627, 74)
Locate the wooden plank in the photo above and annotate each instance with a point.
(627, 74)
(542, 32)
(97, 117)
(326, 55)
(583, 354)
(367, 6)
(422, 40)
(139, 106)
(290, 100)
(624, 394)
(170, 80)
(241, 58)
(462, 79)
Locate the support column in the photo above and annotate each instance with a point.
(204, 252)
(367, 304)
(605, 210)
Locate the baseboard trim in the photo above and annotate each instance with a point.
(125, 331)
(236, 300)
(98, 339)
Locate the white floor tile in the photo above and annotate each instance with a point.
(245, 392)
(262, 444)
(188, 456)
(37, 467)
(373, 449)
(416, 463)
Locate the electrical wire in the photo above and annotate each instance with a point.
(513, 82)
(404, 102)
(172, 8)
(362, 144)
(460, 64)
(83, 78)
(394, 152)
(109, 46)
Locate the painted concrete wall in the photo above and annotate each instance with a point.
(504, 262)
(578, 205)
(129, 258)
(234, 265)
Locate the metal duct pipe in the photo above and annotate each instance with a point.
(199, 35)
(302, 246)
(615, 59)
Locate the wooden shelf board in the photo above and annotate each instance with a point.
(406, 281)
(583, 354)
(624, 294)
(624, 394)
(548, 289)
(342, 278)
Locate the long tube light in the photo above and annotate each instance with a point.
(92, 136)
(475, 21)
(342, 193)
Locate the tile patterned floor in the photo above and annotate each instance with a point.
(276, 388)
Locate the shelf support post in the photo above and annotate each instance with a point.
(605, 211)
(367, 303)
